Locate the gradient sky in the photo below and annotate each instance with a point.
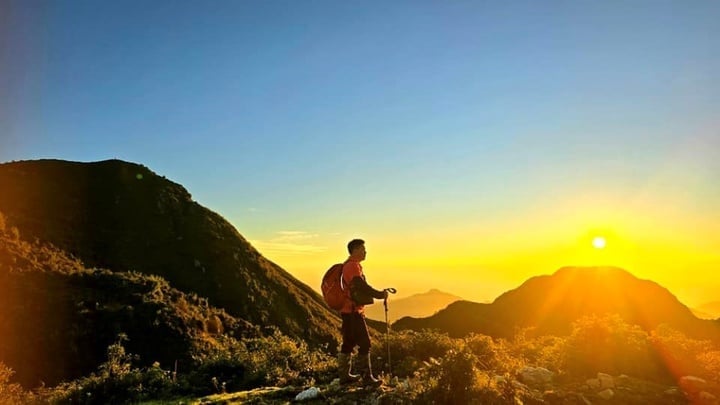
(472, 144)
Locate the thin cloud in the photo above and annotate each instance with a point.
(290, 243)
(294, 236)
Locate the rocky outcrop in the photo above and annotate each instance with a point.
(535, 376)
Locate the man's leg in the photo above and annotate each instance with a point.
(362, 337)
(346, 349)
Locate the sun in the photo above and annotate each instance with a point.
(599, 242)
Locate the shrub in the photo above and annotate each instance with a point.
(286, 361)
(243, 364)
(539, 351)
(493, 355)
(710, 362)
(409, 349)
(685, 356)
(11, 393)
(608, 344)
(456, 378)
(116, 382)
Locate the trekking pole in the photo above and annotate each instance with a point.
(387, 329)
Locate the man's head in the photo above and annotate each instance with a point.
(356, 248)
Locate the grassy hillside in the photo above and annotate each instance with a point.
(59, 317)
(123, 217)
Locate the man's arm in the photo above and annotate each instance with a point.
(359, 284)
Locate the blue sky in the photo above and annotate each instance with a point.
(305, 122)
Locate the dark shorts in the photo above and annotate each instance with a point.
(355, 333)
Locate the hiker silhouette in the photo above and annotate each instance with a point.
(354, 328)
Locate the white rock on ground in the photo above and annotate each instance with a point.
(309, 393)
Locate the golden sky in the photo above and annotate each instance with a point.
(479, 258)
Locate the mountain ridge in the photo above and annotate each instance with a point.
(122, 216)
(550, 303)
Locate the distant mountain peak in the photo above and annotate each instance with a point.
(551, 303)
(435, 291)
(421, 304)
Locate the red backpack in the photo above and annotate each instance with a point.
(333, 287)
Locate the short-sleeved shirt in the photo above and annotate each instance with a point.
(351, 269)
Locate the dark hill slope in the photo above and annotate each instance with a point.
(552, 303)
(124, 217)
(58, 317)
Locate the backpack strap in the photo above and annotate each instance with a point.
(342, 282)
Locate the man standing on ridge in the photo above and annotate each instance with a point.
(354, 328)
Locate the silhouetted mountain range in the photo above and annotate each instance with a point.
(552, 303)
(123, 217)
(417, 305)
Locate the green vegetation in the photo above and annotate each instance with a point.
(59, 317)
(427, 367)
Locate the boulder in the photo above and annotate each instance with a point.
(692, 384)
(593, 383)
(606, 380)
(622, 380)
(606, 394)
(535, 375)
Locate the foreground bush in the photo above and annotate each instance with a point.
(685, 356)
(431, 367)
(608, 344)
(275, 360)
(116, 382)
(11, 393)
(409, 349)
(461, 376)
